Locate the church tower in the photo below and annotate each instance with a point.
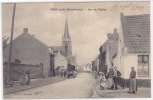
(66, 42)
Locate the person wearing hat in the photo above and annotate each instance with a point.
(132, 85)
(110, 78)
(116, 76)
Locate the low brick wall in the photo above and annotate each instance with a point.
(35, 70)
(140, 83)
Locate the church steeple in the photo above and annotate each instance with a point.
(66, 31)
(66, 41)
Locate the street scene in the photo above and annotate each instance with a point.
(69, 88)
(76, 50)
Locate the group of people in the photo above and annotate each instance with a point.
(113, 77)
(114, 80)
(24, 78)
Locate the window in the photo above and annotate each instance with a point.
(143, 65)
(66, 48)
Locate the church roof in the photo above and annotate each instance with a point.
(136, 33)
(57, 48)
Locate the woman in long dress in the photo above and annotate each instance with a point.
(110, 78)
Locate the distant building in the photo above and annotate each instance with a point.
(95, 64)
(112, 49)
(108, 51)
(102, 57)
(60, 61)
(66, 48)
(29, 51)
(87, 67)
(134, 46)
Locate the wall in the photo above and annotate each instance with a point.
(60, 61)
(129, 61)
(30, 51)
(116, 63)
(108, 58)
(35, 70)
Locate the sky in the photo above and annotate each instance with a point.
(88, 28)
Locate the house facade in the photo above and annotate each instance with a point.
(60, 61)
(134, 46)
(95, 64)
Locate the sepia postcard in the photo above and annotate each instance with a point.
(76, 50)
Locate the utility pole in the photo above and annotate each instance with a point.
(10, 48)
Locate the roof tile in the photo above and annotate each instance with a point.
(136, 33)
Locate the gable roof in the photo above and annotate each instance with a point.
(136, 33)
(28, 49)
(57, 48)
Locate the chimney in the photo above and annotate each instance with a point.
(115, 30)
(109, 35)
(25, 30)
(121, 16)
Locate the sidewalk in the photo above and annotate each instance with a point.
(122, 93)
(34, 83)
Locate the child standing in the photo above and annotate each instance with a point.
(102, 81)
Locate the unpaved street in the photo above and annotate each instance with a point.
(80, 87)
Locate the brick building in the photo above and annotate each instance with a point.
(27, 50)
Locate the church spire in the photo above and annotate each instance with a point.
(66, 41)
(66, 31)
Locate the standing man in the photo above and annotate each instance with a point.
(116, 76)
(132, 85)
(110, 78)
